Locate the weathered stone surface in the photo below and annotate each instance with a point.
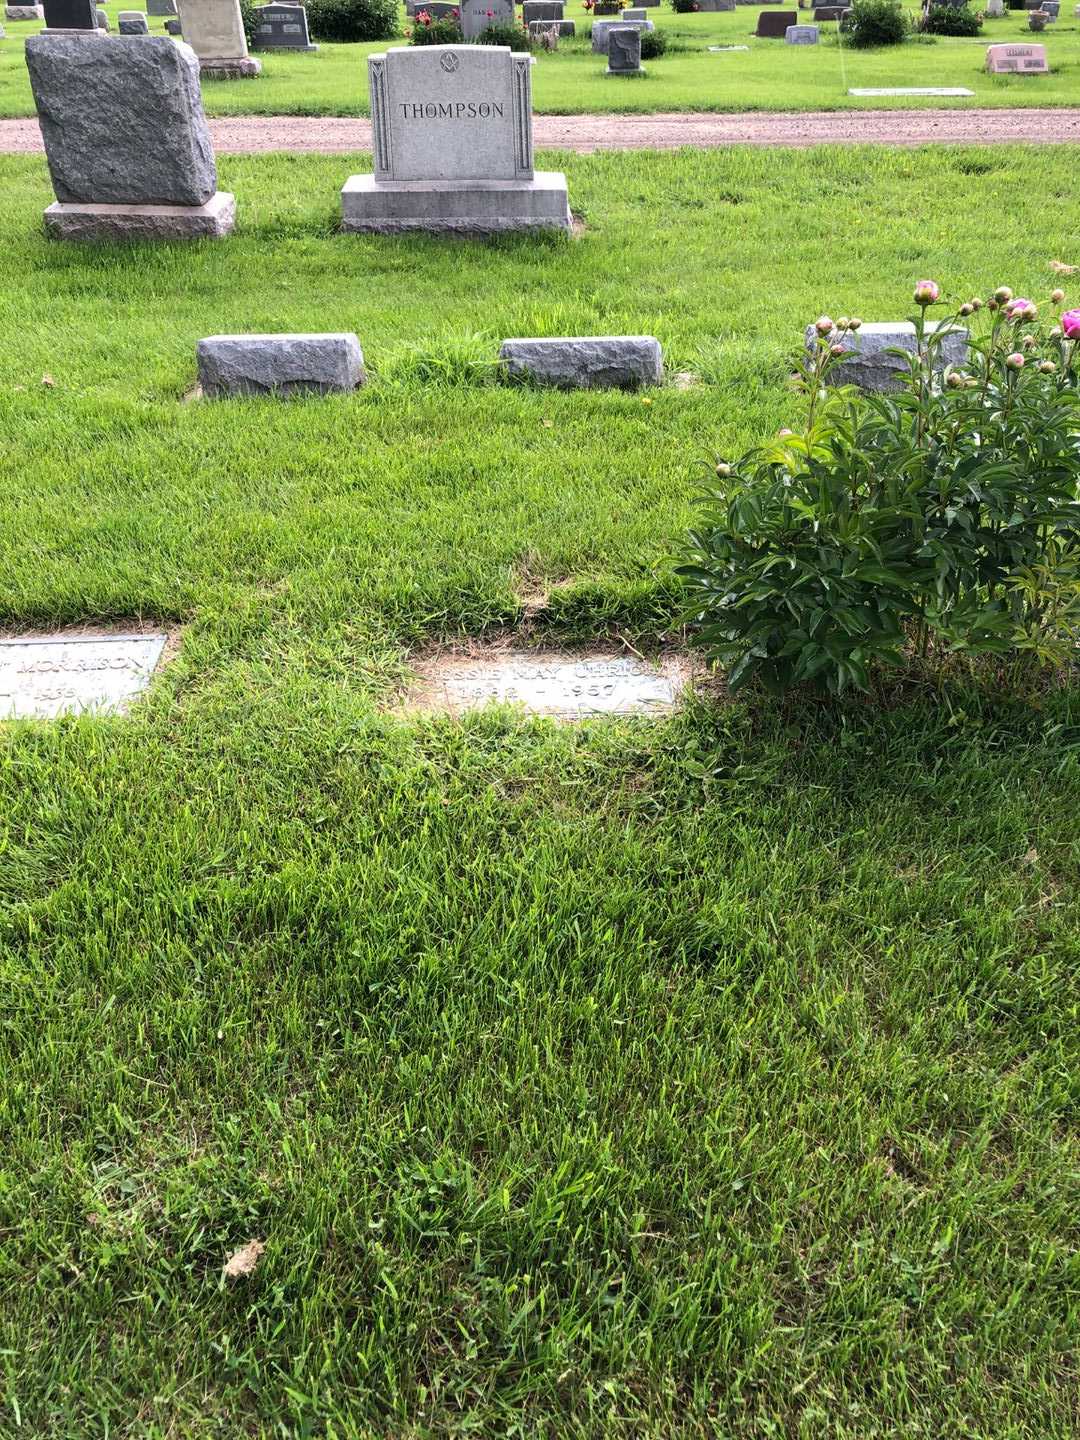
(715, 6)
(44, 677)
(624, 51)
(24, 12)
(871, 368)
(566, 687)
(602, 29)
(132, 22)
(279, 364)
(123, 122)
(637, 14)
(480, 207)
(567, 29)
(161, 8)
(111, 223)
(215, 31)
(586, 362)
(541, 10)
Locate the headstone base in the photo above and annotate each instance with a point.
(106, 223)
(631, 74)
(567, 28)
(482, 207)
(285, 49)
(230, 69)
(24, 12)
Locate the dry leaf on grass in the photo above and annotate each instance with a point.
(243, 1261)
(48, 381)
(1061, 269)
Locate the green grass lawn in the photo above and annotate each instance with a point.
(572, 1094)
(770, 76)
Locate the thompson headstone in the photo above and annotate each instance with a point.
(453, 146)
(282, 27)
(97, 105)
(215, 31)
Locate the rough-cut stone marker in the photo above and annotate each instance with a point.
(590, 362)
(870, 368)
(279, 364)
(43, 677)
(24, 12)
(624, 51)
(125, 139)
(132, 22)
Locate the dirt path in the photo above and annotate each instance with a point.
(586, 133)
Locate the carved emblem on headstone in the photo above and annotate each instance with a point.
(449, 63)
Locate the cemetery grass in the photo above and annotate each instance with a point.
(770, 76)
(712, 1076)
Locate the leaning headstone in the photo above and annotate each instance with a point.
(871, 367)
(132, 22)
(282, 27)
(279, 364)
(71, 15)
(97, 107)
(161, 8)
(624, 51)
(452, 139)
(773, 24)
(585, 362)
(478, 15)
(215, 31)
(24, 12)
(1016, 59)
(801, 35)
(602, 29)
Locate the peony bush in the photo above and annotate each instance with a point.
(918, 528)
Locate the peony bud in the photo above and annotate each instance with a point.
(1015, 361)
(837, 350)
(843, 323)
(824, 326)
(976, 304)
(1002, 293)
(1019, 310)
(1046, 367)
(967, 309)
(723, 470)
(783, 434)
(1057, 296)
(1070, 324)
(1030, 342)
(956, 381)
(855, 324)
(991, 304)
(927, 292)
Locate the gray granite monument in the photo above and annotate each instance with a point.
(161, 8)
(870, 366)
(585, 362)
(282, 27)
(453, 146)
(98, 107)
(215, 31)
(279, 364)
(602, 29)
(71, 16)
(624, 51)
(475, 18)
(24, 12)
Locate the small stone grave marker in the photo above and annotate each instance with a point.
(132, 22)
(24, 12)
(44, 677)
(1016, 59)
(801, 35)
(954, 91)
(567, 688)
(624, 51)
(478, 15)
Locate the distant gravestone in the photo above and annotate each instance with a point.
(279, 364)
(624, 51)
(634, 15)
(452, 140)
(773, 24)
(102, 20)
(541, 10)
(96, 106)
(44, 677)
(440, 10)
(828, 14)
(215, 31)
(132, 22)
(478, 15)
(161, 8)
(173, 27)
(1016, 59)
(602, 29)
(995, 9)
(871, 365)
(712, 7)
(539, 28)
(801, 35)
(24, 12)
(282, 27)
(71, 15)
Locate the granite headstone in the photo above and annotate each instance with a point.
(624, 50)
(215, 31)
(1016, 59)
(282, 27)
(478, 15)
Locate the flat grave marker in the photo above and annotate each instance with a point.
(563, 687)
(44, 677)
(953, 91)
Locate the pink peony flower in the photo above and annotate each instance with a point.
(1015, 361)
(927, 292)
(1021, 310)
(1070, 324)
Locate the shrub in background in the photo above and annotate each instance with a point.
(875, 22)
(684, 7)
(516, 36)
(249, 20)
(950, 20)
(426, 31)
(653, 44)
(907, 528)
(348, 21)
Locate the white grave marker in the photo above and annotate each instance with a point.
(44, 677)
(568, 689)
